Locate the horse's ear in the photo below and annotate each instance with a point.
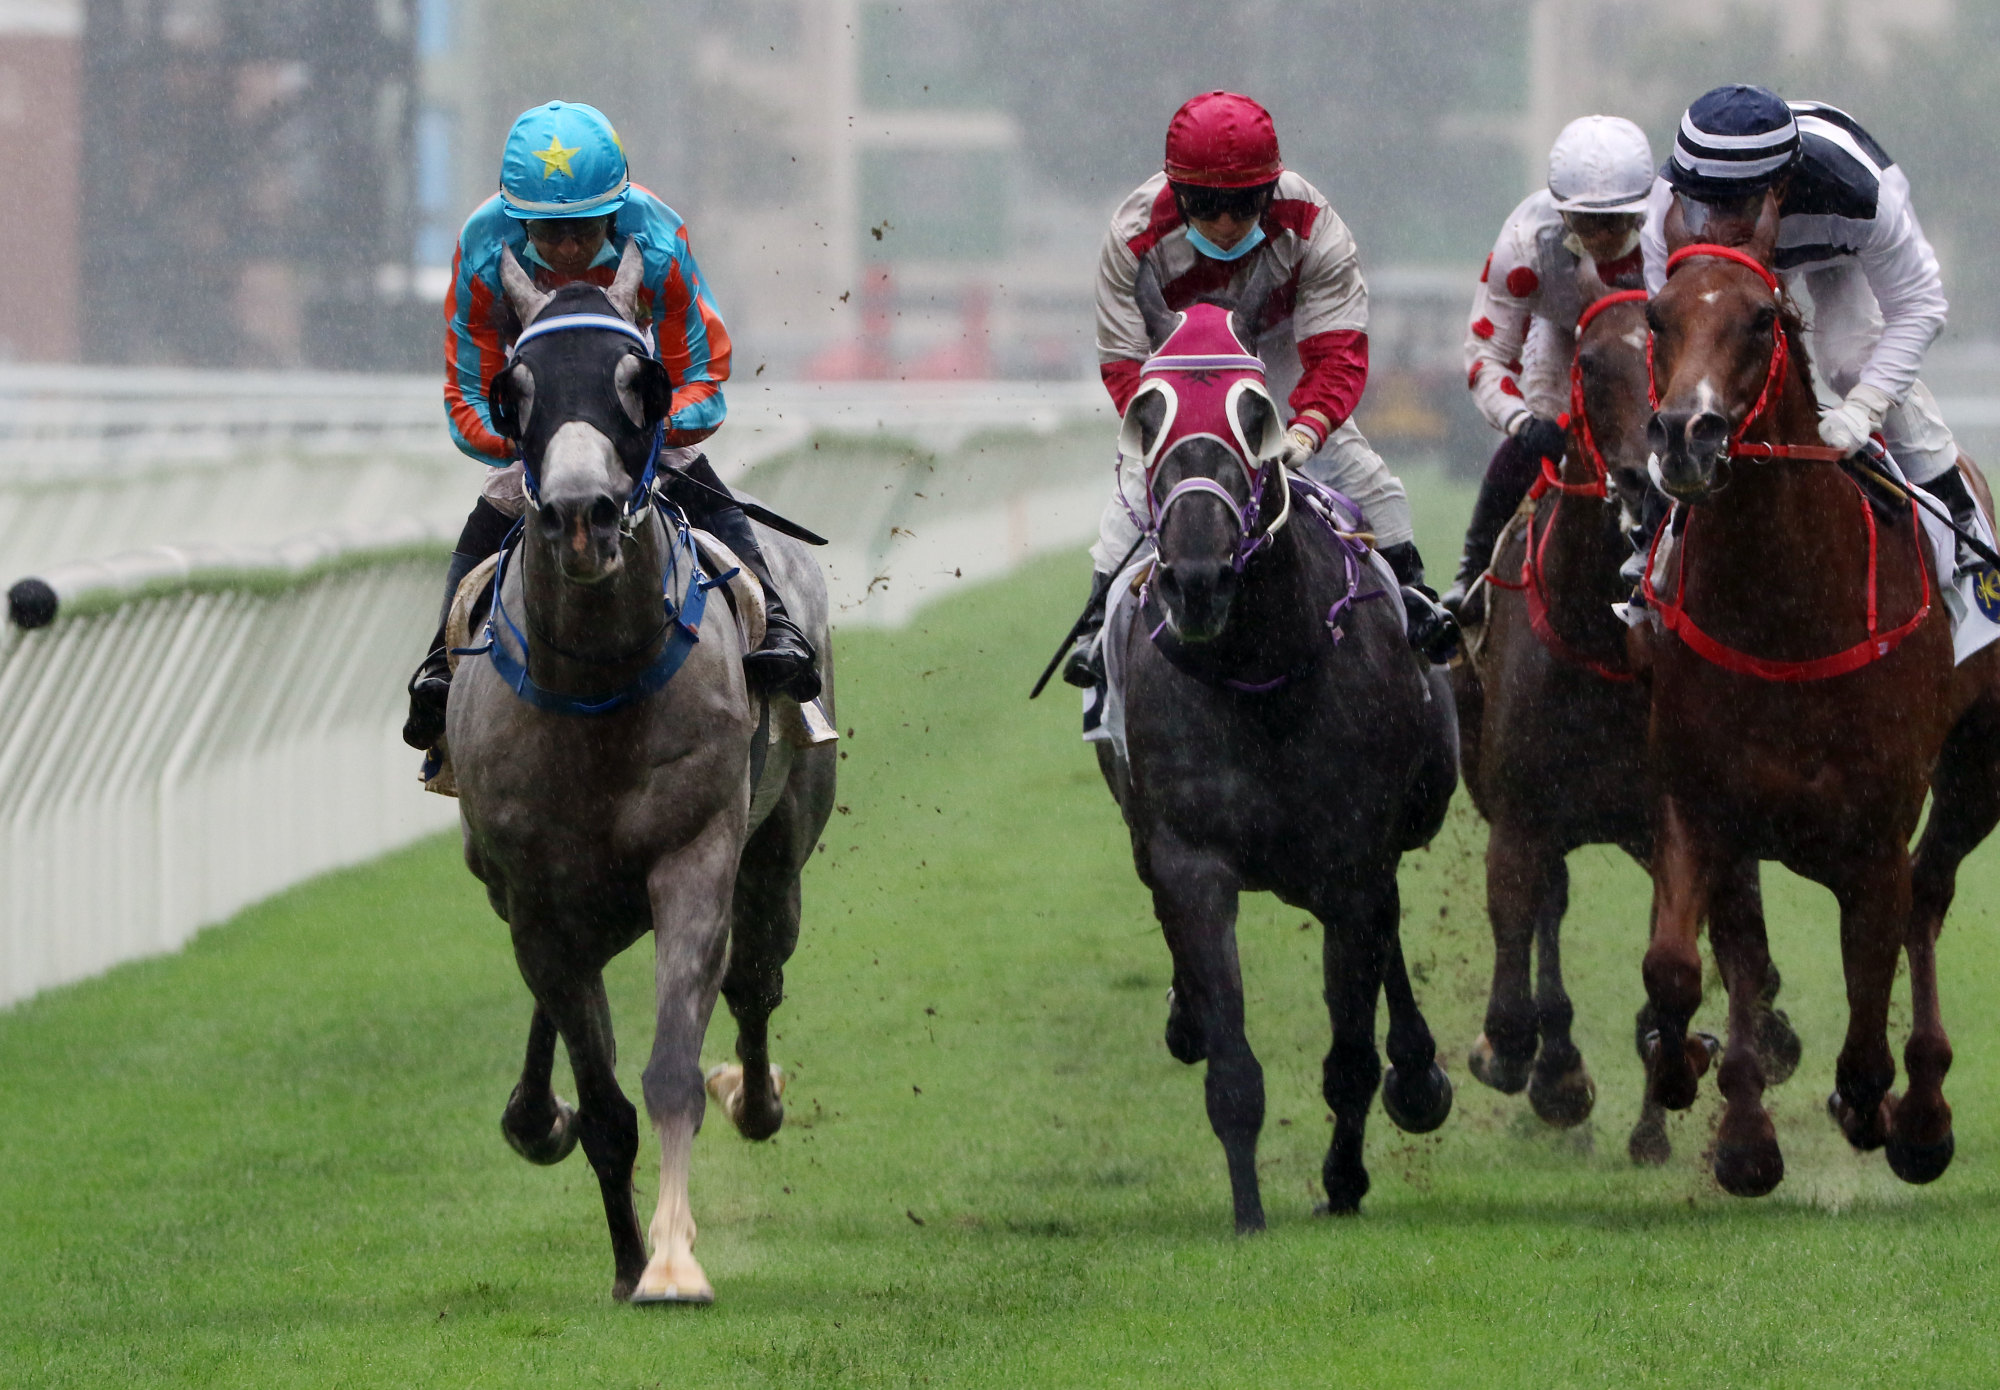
(645, 391)
(1257, 424)
(1764, 241)
(510, 396)
(1145, 417)
(526, 301)
(1674, 229)
(624, 290)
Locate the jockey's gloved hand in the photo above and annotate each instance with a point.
(1300, 445)
(1541, 438)
(1848, 425)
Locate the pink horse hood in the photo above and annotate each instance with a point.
(1201, 372)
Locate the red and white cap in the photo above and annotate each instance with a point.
(1201, 371)
(1222, 140)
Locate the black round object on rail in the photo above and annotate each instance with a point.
(31, 603)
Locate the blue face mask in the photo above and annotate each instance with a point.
(1250, 242)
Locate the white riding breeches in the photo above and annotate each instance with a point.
(1345, 463)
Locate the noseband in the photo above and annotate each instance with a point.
(640, 500)
(1249, 540)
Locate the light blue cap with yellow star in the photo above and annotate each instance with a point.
(562, 160)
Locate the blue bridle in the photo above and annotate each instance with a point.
(682, 620)
(641, 497)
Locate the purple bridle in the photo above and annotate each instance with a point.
(1330, 508)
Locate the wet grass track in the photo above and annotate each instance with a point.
(274, 1159)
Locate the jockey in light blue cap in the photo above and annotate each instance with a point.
(563, 160)
(567, 210)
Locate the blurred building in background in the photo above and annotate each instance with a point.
(876, 188)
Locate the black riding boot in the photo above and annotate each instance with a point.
(784, 662)
(1949, 488)
(430, 687)
(1507, 479)
(1433, 630)
(1084, 667)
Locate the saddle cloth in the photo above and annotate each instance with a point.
(800, 726)
(1972, 599)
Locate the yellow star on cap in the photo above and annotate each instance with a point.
(555, 159)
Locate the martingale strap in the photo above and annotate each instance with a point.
(682, 624)
(1673, 613)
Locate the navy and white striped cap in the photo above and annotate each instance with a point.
(1733, 141)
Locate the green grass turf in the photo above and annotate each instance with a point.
(273, 1159)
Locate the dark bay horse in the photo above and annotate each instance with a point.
(1804, 701)
(606, 793)
(1282, 738)
(1552, 728)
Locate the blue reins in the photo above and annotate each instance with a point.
(683, 628)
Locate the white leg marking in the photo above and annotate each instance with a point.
(673, 1275)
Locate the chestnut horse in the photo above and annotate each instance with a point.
(1552, 728)
(1804, 701)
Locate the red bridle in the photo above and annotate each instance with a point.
(1774, 378)
(1673, 612)
(1552, 481)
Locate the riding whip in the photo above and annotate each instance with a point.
(1080, 626)
(782, 525)
(1928, 503)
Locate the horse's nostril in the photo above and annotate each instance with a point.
(1707, 432)
(603, 513)
(1657, 437)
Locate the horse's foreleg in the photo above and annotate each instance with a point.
(1682, 878)
(1560, 1090)
(606, 1123)
(1517, 883)
(1194, 896)
(691, 893)
(1416, 1093)
(1874, 897)
(536, 1123)
(1747, 1159)
(763, 932)
(1738, 906)
(1357, 952)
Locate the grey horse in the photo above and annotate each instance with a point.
(590, 830)
(1268, 753)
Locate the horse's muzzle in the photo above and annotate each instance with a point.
(1690, 446)
(1197, 596)
(586, 536)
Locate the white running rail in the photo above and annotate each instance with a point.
(198, 729)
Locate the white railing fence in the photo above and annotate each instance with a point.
(198, 729)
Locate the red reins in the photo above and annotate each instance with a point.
(1673, 613)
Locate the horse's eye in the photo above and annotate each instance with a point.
(1766, 319)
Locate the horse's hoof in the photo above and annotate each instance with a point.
(1507, 1075)
(1344, 1192)
(1649, 1146)
(673, 1278)
(545, 1149)
(1778, 1046)
(1676, 1088)
(1749, 1169)
(1863, 1134)
(1919, 1163)
(1417, 1105)
(1184, 1039)
(725, 1084)
(1564, 1101)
